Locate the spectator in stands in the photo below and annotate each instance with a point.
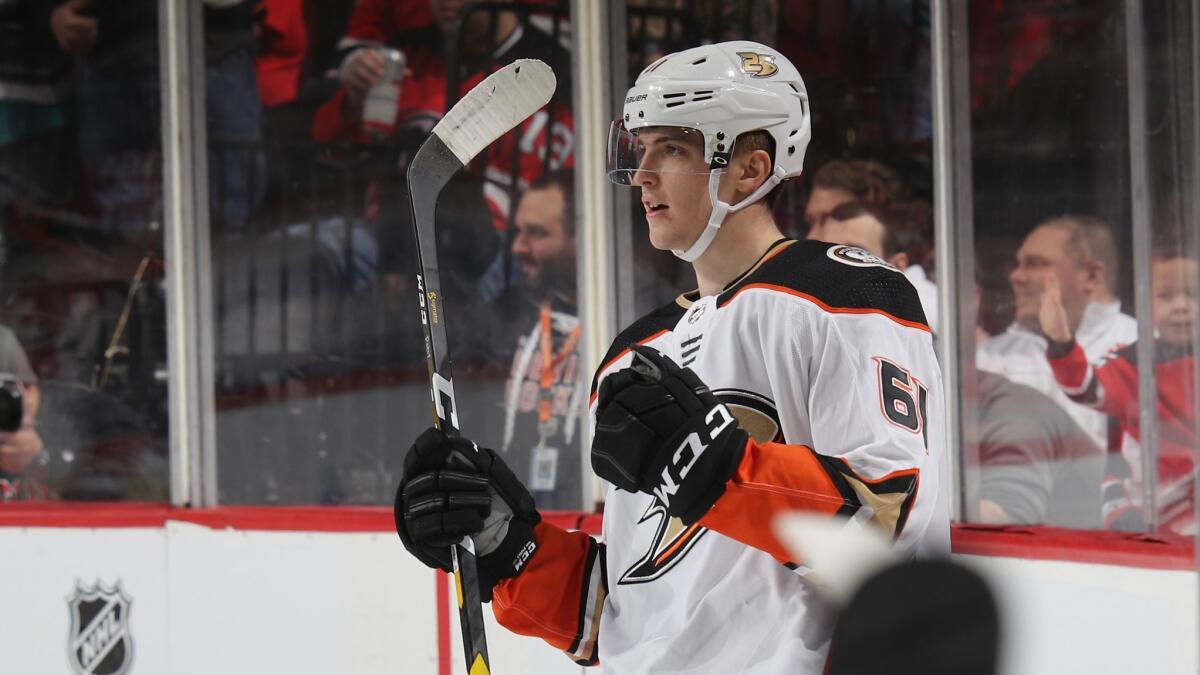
(408, 26)
(849, 180)
(535, 328)
(424, 30)
(1110, 385)
(34, 73)
(1036, 465)
(899, 233)
(291, 81)
(282, 37)
(118, 107)
(1079, 251)
(19, 449)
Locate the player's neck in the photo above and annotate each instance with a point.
(743, 238)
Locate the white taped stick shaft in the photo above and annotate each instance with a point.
(494, 106)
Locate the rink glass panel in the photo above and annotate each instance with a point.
(81, 258)
(321, 379)
(1089, 111)
(1048, 109)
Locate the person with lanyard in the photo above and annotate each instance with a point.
(544, 395)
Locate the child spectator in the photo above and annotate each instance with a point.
(1111, 386)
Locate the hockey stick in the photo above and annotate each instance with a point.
(493, 107)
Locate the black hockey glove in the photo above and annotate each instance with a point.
(451, 489)
(661, 431)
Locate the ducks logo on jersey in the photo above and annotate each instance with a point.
(853, 255)
(672, 539)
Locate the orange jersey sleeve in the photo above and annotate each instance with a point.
(775, 478)
(559, 596)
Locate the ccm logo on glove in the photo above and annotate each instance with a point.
(689, 451)
(661, 431)
(523, 556)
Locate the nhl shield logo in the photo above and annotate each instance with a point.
(100, 642)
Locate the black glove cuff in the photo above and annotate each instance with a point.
(690, 510)
(507, 561)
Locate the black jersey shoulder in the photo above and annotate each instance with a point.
(844, 278)
(657, 321)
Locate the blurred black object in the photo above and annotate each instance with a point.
(98, 448)
(932, 617)
(12, 403)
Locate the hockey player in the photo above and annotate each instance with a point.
(799, 375)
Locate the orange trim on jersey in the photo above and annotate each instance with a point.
(683, 539)
(782, 247)
(772, 478)
(543, 600)
(829, 308)
(761, 261)
(620, 354)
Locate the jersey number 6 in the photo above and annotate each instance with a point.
(897, 390)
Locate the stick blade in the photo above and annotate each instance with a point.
(494, 106)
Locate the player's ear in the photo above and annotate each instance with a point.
(754, 168)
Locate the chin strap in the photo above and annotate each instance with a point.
(721, 209)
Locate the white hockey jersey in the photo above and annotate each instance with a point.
(823, 355)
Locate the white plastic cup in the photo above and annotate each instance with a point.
(379, 107)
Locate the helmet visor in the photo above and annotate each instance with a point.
(661, 149)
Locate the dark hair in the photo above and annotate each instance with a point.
(869, 181)
(564, 181)
(907, 226)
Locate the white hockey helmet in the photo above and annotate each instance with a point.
(720, 91)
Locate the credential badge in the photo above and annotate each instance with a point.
(100, 642)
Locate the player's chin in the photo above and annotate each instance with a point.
(665, 237)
